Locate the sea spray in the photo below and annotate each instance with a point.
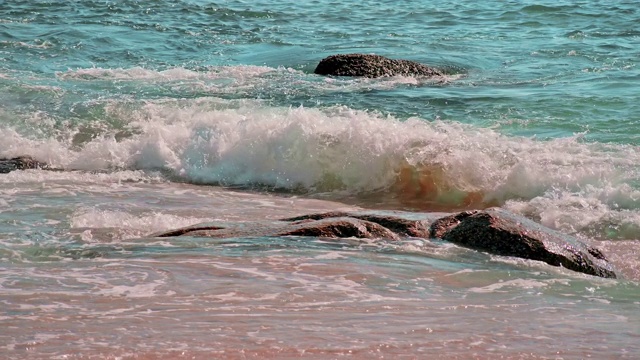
(145, 108)
(413, 163)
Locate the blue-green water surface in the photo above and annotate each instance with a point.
(546, 68)
(161, 114)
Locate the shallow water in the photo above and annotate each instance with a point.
(169, 114)
(80, 280)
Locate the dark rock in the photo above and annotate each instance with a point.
(499, 232)
(371, 66)
(340, 227)
(334, 227)
(494, 231)
(225, 230)
(402, 223)
(319, 216)
(188, 230)
(444, 224)
(20, 163)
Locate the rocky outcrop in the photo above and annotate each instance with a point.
(339, 227)
(332, 227)
(401, 223)
(371, 66)
(499, 232)
(19, 163)
(494, 231)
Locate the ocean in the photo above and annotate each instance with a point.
(163, 114)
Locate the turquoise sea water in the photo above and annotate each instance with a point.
(168, 113)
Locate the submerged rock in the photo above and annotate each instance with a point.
(333, 227)
(20, 163)
(499, 232)
(371, 66)
(401, 223)
(340, 227)
(494, 231)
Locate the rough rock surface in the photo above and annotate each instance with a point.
(333, 227)
(371, 66)
(494, 231)
(402, 223)
(340, 227)
(19, 163)
(499, 232)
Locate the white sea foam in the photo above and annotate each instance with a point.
(564, 183)
(55, 90)
(30, 177)
(129, 225)
(178, 73)
(34, 45)
(515, 283)
(244, 78)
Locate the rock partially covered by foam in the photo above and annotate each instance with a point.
(371, 66)
(499, 232)
(494, 231)
(20, 163)
(398, 222)
(329, 228)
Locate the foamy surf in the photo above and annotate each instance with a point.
(158, 114)
(257, 82)
(172, 74)
(415, 163)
